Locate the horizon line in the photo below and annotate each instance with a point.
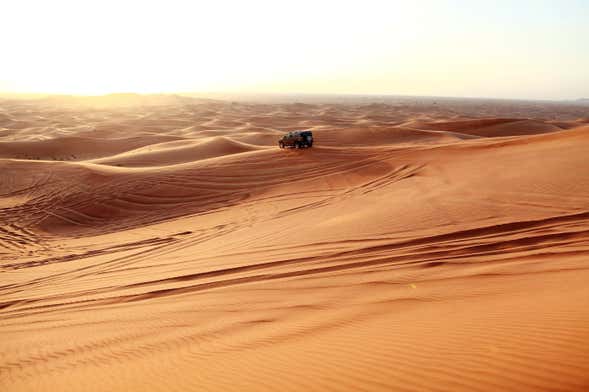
(195, 94)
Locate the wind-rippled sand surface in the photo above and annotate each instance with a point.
(166, 243)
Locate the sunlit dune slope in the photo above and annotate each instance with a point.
(170, 153)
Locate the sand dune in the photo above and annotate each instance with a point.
(493, 127)
(74, 147)
(378, 136)
(410, 249)
(170, 153)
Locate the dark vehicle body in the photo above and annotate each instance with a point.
(297, 139)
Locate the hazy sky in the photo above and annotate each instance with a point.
(523, 49)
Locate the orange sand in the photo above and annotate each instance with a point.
(168, 244)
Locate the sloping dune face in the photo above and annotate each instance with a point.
(171, 245)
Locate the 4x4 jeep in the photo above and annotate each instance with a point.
(297, 139)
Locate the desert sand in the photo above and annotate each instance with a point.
(166, 243)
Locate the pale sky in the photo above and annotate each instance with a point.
(525, 49)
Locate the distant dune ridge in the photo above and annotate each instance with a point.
(166, 242)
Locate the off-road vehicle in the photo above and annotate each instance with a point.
(297, 139)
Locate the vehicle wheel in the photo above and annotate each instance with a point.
(297, 145)
(281, 145)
